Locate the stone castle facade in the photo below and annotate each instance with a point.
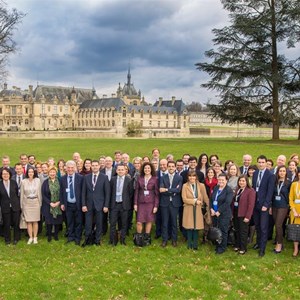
(65, 108)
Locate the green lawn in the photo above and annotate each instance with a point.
(59, 271)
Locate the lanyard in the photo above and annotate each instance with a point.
(193, 190)
(146, 182)
(259, 178)
(238, 195)
(279, 188)
(217, 195)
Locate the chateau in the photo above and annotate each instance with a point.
(67, 108)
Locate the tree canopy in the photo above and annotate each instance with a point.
(249, 66)
(9, 19)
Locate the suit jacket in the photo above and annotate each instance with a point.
(242, 170)
(100, 196)
(224, 201)
(200, 176)
(265, 193)
(174, 192)
(127, 193)
(12, 200)
(246, 203)
(113, 172)
(63, 197)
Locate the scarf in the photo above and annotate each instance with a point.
(54, 191)
(211, 185)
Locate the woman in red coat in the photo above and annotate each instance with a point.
(243, 205)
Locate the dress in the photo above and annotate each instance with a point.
(294, 200)
(146, 197)
(31, 199)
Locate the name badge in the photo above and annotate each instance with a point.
(215, 202)
(278, 198)
(67, 190)
(146, 193)
(257, 189)
(236, 204)
(297, 201)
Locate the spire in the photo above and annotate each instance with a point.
(128, 77)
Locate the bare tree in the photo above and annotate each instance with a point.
(9, 19)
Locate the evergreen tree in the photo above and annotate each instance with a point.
(253, 80)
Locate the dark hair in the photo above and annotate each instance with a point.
(155, 149)
(34, 173)
(210, 169)
(95, 161)
(262, 157)
(252, 167)
(277, 174)
(121, 165)
(211, 156)
(151, 166)
(87, 159)
(223, 175)
(191, 158)
(179, 160)
(227, 162)
(247, 180)
(199, 165)
(271, 161)
(185, 154)
(8, 170)
(171, 162)
(59, 161)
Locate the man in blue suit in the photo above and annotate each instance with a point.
(264, 184)
(95, 202)
(170, 201)
(70, 201)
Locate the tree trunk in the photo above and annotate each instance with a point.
(299, 131)
(275, 77)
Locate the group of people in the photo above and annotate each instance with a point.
(189, 194)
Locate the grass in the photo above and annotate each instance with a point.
(62, 271)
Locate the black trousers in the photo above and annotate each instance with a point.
(158, 223)
(169, 216)
(118, 213)
(74, 221)
(241, 230)
(96, 216)
(261, 220)
(11, 219)
(223, 223)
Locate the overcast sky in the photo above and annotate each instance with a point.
(83, 43)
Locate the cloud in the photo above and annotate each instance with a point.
(84, 42)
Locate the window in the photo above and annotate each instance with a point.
(60, 108)
(0, 110)
(61, 121)
(142, 114)
(158, 124)
(49, 108)
(150, 114)
(55, 109)
(132, 114)
(78, 123)
(103, 114)
(124, 114)
(124, 123)
(66, 109)
(95, 114)
(108, 113)
(26, 110)
(167, 125)
(13, 110)
(113, 113)
(150, 123)
(113, 123)
(49, 121)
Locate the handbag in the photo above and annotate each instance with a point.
(215, 234)
(293, 232)
(23, 224)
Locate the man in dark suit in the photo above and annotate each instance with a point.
(120, 203)
(110, 172)
(170, 201)
(247, 159)
(95, 202)
(264, 184)
(18, 176)
(70, 201)
(192, 167)
(24, 162)
(6, 164)
(163, 170)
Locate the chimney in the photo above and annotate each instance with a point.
(30, 89)
(160, 99)
(104, 96)
(173, 100)
(113, 95)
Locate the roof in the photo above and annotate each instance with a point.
(117, 103)
(178, 105)
(162, 109)
(62, 93)
(5, 93)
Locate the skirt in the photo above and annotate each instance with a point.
(145, 213)
(32, 210)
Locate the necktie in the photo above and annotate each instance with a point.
(245, 170)
(171, 180)
(94, 181)
(19, 181)
(119, 184)
(71, 187)
(260, 176)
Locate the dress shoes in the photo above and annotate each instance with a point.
(242, 252)
(15, 242)
(49, 238)
(256, 247)
(77, 243)
(97, 244)
(157, 236)
(164, 244)
(123, 242)
(174, 243)
(261, 253)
